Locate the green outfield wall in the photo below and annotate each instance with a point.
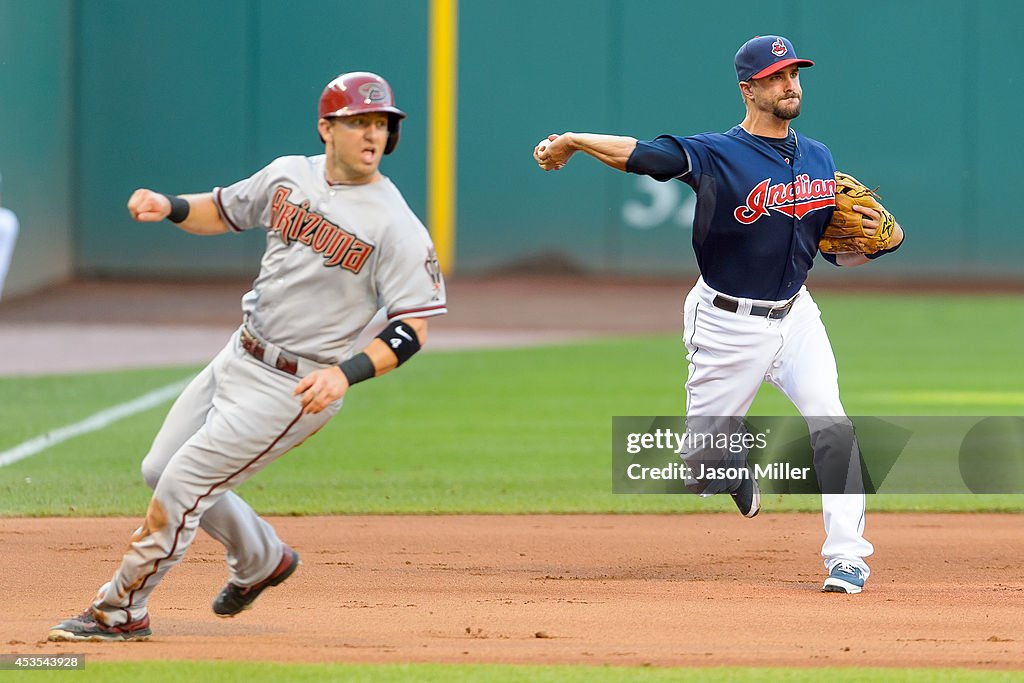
(102, 96)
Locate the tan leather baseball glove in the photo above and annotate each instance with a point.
(846, 232)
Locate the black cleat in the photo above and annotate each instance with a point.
(748, 497)
(234, 599)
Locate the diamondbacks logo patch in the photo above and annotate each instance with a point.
(796, 199)
(434, 271)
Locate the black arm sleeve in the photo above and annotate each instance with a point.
(831, 258)
(880, 254)
(663, 158)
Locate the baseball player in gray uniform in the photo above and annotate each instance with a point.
(341, 244)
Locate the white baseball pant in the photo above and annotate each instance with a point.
(731, 353)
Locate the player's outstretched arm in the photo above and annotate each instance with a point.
(195, 213)
(387, 351)
(554, 152)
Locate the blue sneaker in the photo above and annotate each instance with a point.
(844, 577)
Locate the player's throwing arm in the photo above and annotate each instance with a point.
(554, 152)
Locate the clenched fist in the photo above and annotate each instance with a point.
(148, 206)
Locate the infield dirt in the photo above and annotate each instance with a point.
(665, 590)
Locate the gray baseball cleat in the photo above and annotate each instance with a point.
(234, 599)
(86, 627)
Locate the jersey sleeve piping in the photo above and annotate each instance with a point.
(421, 312)
(223, 213)
(689, 164)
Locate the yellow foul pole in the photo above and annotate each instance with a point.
(443, 81)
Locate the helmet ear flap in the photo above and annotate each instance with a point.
(394, 131)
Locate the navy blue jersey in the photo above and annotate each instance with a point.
(758, 219)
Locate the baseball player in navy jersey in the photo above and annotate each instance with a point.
(764, 196)
(341, 244)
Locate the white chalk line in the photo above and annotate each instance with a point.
(92, 423)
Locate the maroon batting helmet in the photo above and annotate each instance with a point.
(361, 92)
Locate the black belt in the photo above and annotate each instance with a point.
(257, 350)
(772, 313)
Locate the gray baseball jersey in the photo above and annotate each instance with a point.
(335, 255)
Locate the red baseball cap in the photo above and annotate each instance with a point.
(764, 55)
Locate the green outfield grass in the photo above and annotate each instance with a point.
(525, 430)
(223, 672)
